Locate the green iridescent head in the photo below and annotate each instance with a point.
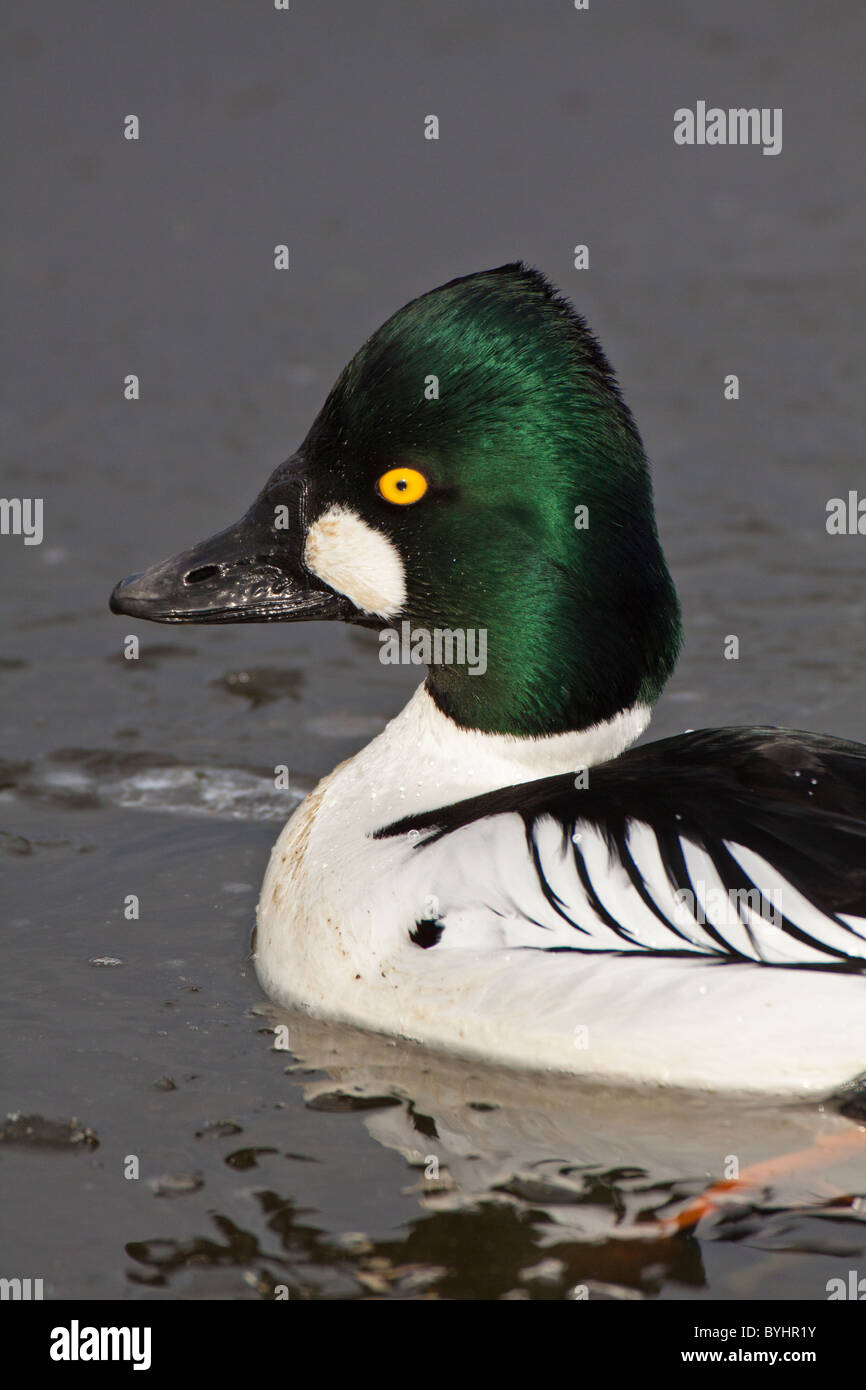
(477, 449)
(537, 525)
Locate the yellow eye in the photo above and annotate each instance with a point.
(402, 486)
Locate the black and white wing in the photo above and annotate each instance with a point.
(737, 844)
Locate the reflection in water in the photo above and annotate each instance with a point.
(527, 1186)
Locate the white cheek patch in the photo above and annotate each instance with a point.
(357, 561)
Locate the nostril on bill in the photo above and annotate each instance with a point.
(201, 574)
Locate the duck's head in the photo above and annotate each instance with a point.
(474, 469)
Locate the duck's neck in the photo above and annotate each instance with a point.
(559, 652)
(423, 759)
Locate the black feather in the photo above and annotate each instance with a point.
(797, 799)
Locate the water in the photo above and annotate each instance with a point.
(350, 1166)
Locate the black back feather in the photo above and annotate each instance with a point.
(797, 799)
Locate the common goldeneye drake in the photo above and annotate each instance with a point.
(495, 873)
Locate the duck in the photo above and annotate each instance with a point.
(504, 872)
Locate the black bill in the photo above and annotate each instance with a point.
(253, 572)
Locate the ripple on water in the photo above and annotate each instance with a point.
(140, 781)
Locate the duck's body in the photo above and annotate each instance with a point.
(495, 874)
(486, 940)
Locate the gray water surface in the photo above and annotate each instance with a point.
(149, 1039)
